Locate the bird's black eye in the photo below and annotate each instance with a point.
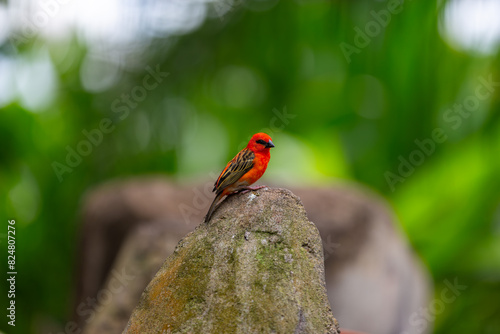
(260, 141)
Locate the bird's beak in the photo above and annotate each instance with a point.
(270, 143)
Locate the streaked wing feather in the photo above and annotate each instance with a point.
(235, 169)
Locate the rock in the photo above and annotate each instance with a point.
(110, 214)
(368, 261)
(375, 281)
(256, 267)
(142, 253)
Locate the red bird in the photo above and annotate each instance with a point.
(245, 168)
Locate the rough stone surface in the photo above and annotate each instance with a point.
(256, 267)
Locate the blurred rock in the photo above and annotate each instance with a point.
(110, 213)
(374, 281)
(256, 267)
(141, 255)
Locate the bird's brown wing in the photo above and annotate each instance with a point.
(235, 169)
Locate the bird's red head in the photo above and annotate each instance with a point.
(260, 142)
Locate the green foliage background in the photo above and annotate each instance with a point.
(349, 120)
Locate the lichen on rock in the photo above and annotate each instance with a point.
(255, 267)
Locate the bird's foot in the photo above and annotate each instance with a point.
(247, 189)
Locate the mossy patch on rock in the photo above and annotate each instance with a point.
(256, 267)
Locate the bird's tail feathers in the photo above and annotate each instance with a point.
(212, 207)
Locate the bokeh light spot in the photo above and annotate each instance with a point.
(472, 25)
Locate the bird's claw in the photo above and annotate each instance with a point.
(247, 189)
